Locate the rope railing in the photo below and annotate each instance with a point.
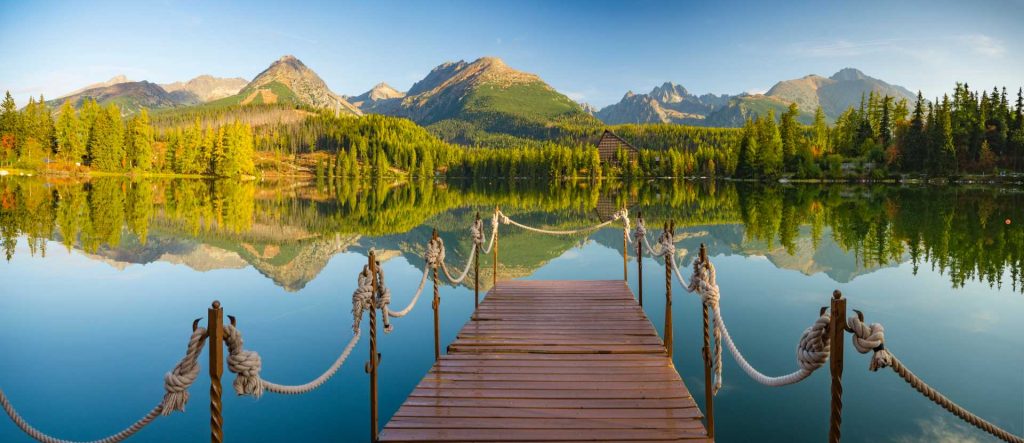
(814, 349)
(176, 385)
(621, 214)
(871, 338)
(819, 343)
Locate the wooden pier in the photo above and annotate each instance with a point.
(552, 361)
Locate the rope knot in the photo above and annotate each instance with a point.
(245, 364)
(435, 253)
(177, 382)
(624, 215)
(641, 230)
(362, 297)
(813, 349)
(667, 243)
(870, 338)
(477, 232)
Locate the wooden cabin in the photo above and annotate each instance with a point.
(610, 144)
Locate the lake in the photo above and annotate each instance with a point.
(103, 279)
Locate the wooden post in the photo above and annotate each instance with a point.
(476, 272)
(625, 253)
(668, 295)
(496, 209)
(215, 332)
(436, 305)
(640, 264)
(709, 399)
(837, 329)
(371, 366)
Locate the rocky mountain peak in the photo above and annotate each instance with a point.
(207, 87)
(670, 92)
(307, 86)
(382, 91)
(847, 74)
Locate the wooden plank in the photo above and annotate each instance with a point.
(552, 361)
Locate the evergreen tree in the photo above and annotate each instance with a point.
(915, 144)
(885, 123)
(790, 131)
(106, 142)
(140, 142)
(821, 139)
(747, 165)
(770, 142)
(70, 144)
(10, 129)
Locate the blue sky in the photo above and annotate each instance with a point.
(592, 51)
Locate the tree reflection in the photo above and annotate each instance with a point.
(967, 233)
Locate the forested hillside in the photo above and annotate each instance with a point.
(968, 132)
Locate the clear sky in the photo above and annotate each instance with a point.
(593, 51)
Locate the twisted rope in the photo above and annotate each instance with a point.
(812, 350)
(246, 366)
(871, 338)
(477, 232)
(465, 271)
(176, 384)
(618, 215)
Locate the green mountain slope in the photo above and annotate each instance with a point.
(287, 81)
(131, 97)
(488, 95)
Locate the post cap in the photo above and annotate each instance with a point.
(837, 295)
(216, 304)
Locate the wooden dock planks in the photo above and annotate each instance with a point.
(558, 361)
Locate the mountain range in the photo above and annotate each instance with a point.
(491, 95)
(672, 103)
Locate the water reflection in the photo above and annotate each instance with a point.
(288, 231)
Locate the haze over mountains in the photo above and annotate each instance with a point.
(488, 92)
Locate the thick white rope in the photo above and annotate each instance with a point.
(618, 215)
(465, 270)
(176, 384)
(872, 339)
(419, 290)
(812, 350)
(246, 366)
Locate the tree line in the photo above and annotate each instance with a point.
(102, 138)
(968, 132)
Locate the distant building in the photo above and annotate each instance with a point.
(610, 144)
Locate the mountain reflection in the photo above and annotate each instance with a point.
(289, 230)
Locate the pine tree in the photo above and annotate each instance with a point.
(790, 132)
(821, 139)
(70, 145)
(885, 122)
(140, 142)
(10, 129)
(770, 145)
(914, 146)
(106, 143)
(746, 165)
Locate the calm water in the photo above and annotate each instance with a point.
(102, 282)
